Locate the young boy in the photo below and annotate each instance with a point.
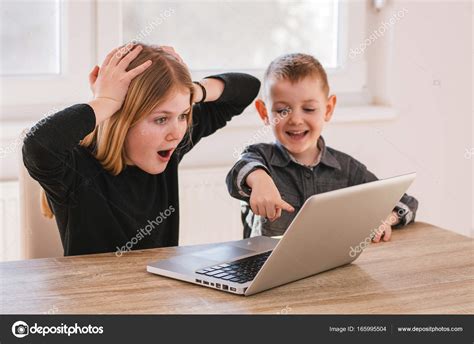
(275, 179)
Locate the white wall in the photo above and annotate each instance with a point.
(432, 90)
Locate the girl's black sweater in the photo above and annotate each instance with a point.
(98, 212)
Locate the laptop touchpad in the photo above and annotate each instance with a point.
(221, 253)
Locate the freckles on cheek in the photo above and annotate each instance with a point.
(134, 143)
(144, 131)
(146, 136)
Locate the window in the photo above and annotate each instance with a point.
(68, 37)
(216, 36)
(30, 45)
(45, 43)
(236, 35)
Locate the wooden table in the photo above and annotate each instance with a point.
(424, 269)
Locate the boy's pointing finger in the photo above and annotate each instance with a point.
(285, 206)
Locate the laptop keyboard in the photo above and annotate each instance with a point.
(239, 271)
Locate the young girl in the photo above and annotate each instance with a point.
(109, 168)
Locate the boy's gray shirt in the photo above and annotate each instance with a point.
(296, 183)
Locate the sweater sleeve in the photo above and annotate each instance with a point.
(250, 160)
(48, 150)
(239, 91)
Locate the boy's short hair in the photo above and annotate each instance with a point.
(295, 67)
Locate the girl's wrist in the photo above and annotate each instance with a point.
(198, 94)
(214, 88)
(104, 108)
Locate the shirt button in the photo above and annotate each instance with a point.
(307, 175)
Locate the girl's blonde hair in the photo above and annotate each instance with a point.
(164, 77)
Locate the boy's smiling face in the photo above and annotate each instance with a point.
(297, 112)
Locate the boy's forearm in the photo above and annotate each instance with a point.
(256, 177)
(236, 179)
(251, 160)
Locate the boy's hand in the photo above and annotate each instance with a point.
(385, 235)
(265, 200)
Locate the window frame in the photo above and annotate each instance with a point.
(22, 94)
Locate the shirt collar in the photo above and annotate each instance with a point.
(282, 158)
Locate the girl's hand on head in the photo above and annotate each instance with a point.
(170, 50)
(93, 77)
(110, 82)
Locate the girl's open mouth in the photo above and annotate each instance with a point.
(297, 135)
(165, 154)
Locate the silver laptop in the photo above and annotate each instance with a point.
(330, 230)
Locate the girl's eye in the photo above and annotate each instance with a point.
(309, 110)
(160, 120)
(183, 117)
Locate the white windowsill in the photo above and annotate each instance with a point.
(372, 113)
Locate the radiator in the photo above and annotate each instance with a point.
(9, 221)
(208, 213)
